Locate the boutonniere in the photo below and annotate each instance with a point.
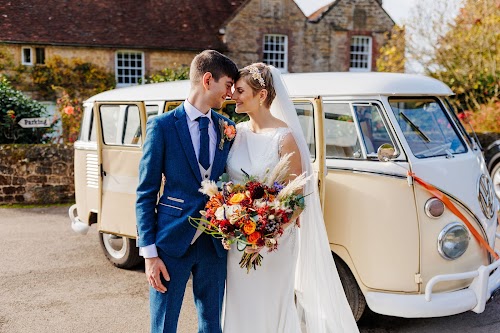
(227, 132)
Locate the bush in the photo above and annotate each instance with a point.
(15, 106)
(169, 74)
(486, 119)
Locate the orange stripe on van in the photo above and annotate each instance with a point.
(447, 202)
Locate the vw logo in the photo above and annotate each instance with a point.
(486, 196)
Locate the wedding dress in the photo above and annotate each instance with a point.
(262, 300)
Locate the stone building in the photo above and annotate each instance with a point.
(136, 38)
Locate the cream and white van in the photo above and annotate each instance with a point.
(399, 250)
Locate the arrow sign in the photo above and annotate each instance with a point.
(34, 122)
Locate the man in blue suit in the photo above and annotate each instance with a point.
(186, 145)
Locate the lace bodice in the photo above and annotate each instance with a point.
(255, 153)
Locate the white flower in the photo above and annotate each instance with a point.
(219, 213)
(209, 187)
(232, 213)
(259, 203)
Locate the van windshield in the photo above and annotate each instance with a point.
(426, 127)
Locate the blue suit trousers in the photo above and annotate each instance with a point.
(209, 274)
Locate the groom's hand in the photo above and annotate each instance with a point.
(155, 267)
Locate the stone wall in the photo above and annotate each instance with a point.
(36, 174)
(321, 45)
(154, 60)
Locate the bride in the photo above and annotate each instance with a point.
(297, 288)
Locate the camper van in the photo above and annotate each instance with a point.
(409, 205)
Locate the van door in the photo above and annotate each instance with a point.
(119, 140)
(370, 212)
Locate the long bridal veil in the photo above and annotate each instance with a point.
(321, 301)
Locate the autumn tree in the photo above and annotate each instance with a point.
(392, 53)
(458, 42)
(468, 54)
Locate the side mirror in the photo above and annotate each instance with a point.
(385, 152)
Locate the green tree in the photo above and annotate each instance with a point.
(169, 74)
(392, 53)
(14, 106)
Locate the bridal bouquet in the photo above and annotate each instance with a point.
(251, 215)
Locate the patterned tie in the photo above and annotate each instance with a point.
(204, 154)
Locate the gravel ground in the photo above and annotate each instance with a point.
(53, 280)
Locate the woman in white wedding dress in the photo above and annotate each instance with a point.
(297, 288)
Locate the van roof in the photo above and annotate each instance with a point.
(300, 85)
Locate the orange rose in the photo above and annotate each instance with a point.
(230, 132)
(249, 227)
(253, 237)
(236, 198)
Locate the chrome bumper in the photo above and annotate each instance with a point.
(431, 304)
(76, 224)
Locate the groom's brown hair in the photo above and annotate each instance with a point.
(214, 62)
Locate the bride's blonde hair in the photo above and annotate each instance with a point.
(258, 76)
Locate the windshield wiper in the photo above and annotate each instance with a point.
(415, 128)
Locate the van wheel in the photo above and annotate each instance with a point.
(354, 295)
(121, 251)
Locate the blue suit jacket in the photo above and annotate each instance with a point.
(168, 149)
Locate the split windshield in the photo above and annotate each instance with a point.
(426, 127)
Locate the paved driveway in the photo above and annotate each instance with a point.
(53, 280)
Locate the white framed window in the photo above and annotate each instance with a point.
(129, 67)
(27, 56)
(276, 51)
(361, 54)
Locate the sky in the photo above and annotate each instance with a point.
(397, 9)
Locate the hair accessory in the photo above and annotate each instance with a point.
(256, 75)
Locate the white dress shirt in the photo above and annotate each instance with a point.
(192, 114)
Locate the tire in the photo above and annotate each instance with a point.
(354, 295)
(495, 177)
(121, 251)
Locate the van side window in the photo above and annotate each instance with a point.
(121, 124)
(305, 114)
(109, 121)
(132, 126)
(341, 137)
(372, 126)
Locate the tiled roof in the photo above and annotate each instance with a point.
(160, 24)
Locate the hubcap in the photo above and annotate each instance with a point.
(115, 245)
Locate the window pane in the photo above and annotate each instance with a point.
(275, 51)
(341, 137)
(109, 121)
(27, 56)
(129, 67)
(132, 126)
(426, 127)
(360, 53)
(40, 55)
(372, 127)
(306, 118)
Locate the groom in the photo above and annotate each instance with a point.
(187, 146)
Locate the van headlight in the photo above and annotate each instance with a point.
(453, 241)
